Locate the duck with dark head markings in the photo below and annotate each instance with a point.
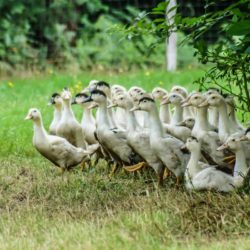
(167, 148)
(138, 139)
(68, 127)
(112, 139)
(56, 101)
(88, 121)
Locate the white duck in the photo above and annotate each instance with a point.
(175, 129)
(136, 93)
(213, 117)
(113, 140)
(120, 114)
(204, 132)
(231, 109)
(241, 167)
(224, 129)
(201, 176)
(56, 149)
(56, 101)
(166, 147)
(201, 125)
(164, 111)
(68, 127)
(175, 99)
(88, 121)
(187, 111)
(138, 139)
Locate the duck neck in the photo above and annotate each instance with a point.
(103, 119)
(240, 167)
(131, 120)
(39, 130)
(178, 114)
(192, 166)
(57, 113)
(67, 110)
(164, 113)
(88, 116)
(201, 119)
(213, 116)
(223, 118)
(156, 129)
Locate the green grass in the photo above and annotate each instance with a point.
(40, 209)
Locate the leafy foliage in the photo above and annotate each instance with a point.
(68, 33)
(228, 58)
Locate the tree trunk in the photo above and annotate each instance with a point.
(171, 41)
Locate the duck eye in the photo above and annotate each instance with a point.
(213, 97)
(196, 97)
(233, 140)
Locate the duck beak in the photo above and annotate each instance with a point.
(243, 138)
(85, 90)
(204, 104)
(113, 105)
(222, 147)
(28, 117)
(93, 105)
(181, 123)
(185, 104)
(88, 99)
(135, 108)
(165, 101)
(184, 101)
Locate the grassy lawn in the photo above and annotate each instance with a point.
(40, 209)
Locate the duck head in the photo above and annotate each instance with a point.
(136, 93)
(233, 143)
(146, 103)
(33, 114)
(158, 93)
(172, 98)
(179, 90)
(66, 94)
(195, 100)
(212, 91)
(96, 96)
(55, 100)
(193, 144)
(188, 122)
(213, 100)
(79, 98)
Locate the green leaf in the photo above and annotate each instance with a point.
(240, 28)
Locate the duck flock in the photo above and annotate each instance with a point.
(194, 136)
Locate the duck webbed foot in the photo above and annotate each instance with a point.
(135, 167)
(167, 173)
(113, 171)
(179, 180)
(82, 165)
(229, 159)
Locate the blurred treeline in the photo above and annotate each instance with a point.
(76, 33)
